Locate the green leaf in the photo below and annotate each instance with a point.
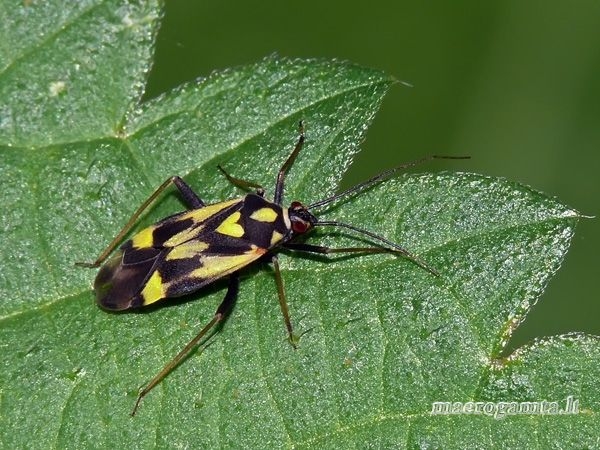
(383, 339)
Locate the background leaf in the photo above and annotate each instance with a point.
(383, 338)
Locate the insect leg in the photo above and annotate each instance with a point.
(283, 303)
(189, 196)
(243, 184)
(220, 314)
(286, 165)
(308, 248)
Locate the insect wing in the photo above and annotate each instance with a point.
(133, 269)
(189, 270)
(117, 284)
(177, 256)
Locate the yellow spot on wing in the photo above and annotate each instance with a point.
(144, 238)
(230, 227)
(154, 289)
(198, 216)
(201, 214)
(218, 266)
(276, 237)
(187, 250)
(184, 236)
(264, 215)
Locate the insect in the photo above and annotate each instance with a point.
(189, 250)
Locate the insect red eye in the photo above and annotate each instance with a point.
(300, 226)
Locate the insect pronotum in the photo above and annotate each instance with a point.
(187, 251)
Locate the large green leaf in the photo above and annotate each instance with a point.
(383, 339)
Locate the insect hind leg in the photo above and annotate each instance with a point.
(190, 198)
(188, 195)
(220, 314)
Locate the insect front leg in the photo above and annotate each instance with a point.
(309, 248)
(220, 314)
(279, 184)
(190, 198)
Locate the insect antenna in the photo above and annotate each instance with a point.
(392, 246)
(379, 177)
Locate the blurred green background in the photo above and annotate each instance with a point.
(515, 84)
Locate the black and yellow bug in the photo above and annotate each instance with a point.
(187, 251)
